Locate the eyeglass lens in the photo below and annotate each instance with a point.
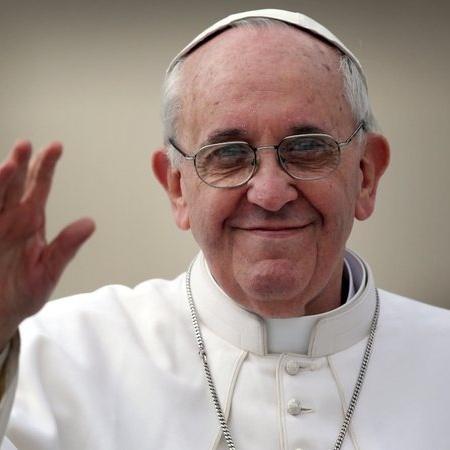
(224, 165)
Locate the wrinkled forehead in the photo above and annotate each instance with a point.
(262, 58)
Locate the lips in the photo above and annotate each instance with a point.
(279, 228)
(267, 226)
(274, 230)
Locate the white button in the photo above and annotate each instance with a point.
(298, 448)
(292, 367)
(293, 407)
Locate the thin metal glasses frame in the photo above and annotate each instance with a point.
(340, 146)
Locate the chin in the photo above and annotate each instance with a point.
(275, 281)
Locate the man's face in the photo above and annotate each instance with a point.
(276, 244)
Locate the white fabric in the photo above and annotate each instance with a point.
(354, 281)
(9, 371)
(118, 369)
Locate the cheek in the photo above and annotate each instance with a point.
(334, 199)
(204, 216)
(208, 210)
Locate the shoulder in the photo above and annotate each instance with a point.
(413, 319)
(109, 310)
(410, 308)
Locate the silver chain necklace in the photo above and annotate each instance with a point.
(212, 388)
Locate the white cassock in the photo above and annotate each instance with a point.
(118, 369)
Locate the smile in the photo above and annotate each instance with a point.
(276, 232)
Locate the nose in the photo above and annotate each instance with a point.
(271, 187)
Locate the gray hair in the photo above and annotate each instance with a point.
(355, 90)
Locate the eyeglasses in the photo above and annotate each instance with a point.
(301, 156)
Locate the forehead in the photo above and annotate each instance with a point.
(246, 76)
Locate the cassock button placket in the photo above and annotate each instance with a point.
(295, 407)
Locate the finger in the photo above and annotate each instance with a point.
(41, 173)
(64, 247)
(6, 174)
(19, 157)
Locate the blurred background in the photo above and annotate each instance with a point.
(88, 73)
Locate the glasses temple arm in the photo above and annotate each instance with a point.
(175, 146)
(361, 126)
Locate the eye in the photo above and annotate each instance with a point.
(309, 156)
(305, 145)
(225, 164)
(226, 155)
(231, 151)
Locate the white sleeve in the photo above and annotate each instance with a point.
(6, 445)
(9, 364)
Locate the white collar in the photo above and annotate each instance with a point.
(323, 334)
(293, 334)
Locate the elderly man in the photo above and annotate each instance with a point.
(276, 337)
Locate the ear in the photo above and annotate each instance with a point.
(373, 163)
(170, 179)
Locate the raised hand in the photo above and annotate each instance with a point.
(29, 266)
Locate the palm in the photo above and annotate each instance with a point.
(29, 266)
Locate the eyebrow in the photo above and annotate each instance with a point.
(306, 129)
(225, 134)
(238, 134)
